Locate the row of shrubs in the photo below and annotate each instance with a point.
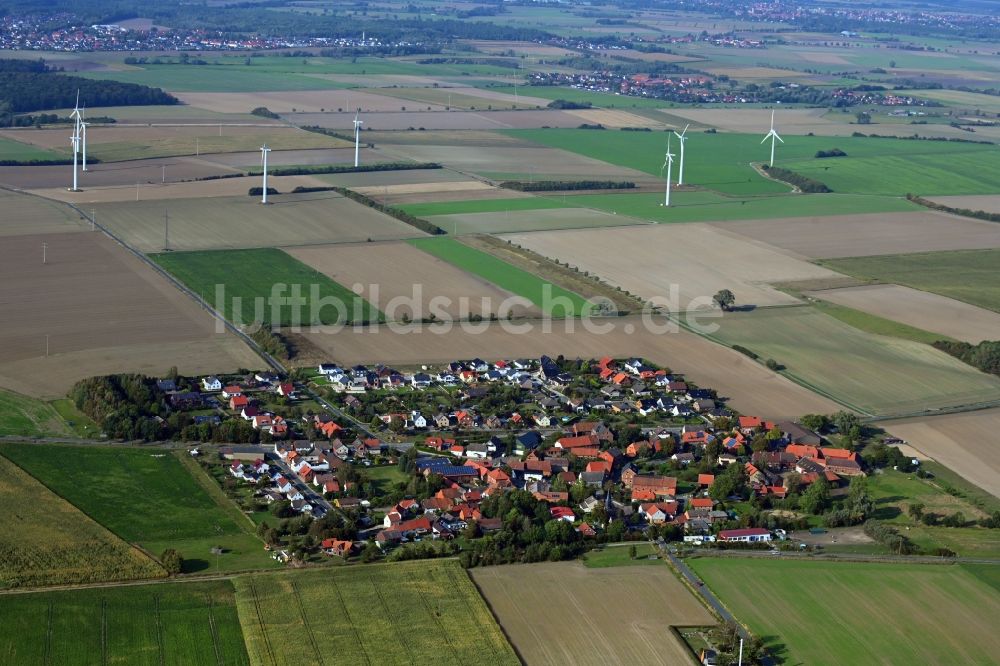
(804, 183)
(400, 215)
(566, 185)
(312, 170)
(965, 212)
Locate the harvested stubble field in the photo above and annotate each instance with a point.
(788, 121)
(637, 606)
(893, 613)
(242, 222)
(985, 202)
(551, 299)
(467, 206)
(250, 278)
(93, 296)
(25, 214)
(426, 188)
(969, 276)
(919, 309)
(111, 174)
(457, 98)
(545, 219)
(964, 443)
(416, 117)
(133, 142)
(167, 624)
(869, 235)
(297, 102)
(876, 374)
(699, 259)
(225, 187)
(149, 497)
(391, 271)
(753, 389)
(390, 178)
(400, 613)
(45, 540)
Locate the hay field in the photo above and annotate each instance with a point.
(985, 202)
(964, 443)
(788, 121)
(535, 162)
(301, 101)
(753, 389)
(386, 178)
(875, 374)
(969, 276)
(458, 98)
(92, 296)
(45, 540)
(26, 214)
(510, 221)
(861, 612)
(615, 119)
(919, 309)
(400, 613)
(417, 116)
(564, 613)
(242, 222)
(391, 271)
(23, 416)
(870, 235)
(115, 143)
(697, 258)
(225, 187)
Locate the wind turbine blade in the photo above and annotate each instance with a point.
(685, 130)
(778, 137)
(765, 138)
(772, 120)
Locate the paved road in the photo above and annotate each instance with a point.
(705, 593)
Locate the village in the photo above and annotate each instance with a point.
(616, 449)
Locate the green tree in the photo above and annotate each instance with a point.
(816, 497)
(916, 510)
(632, 552)
(370, 553)
(724, 299)
(172, 561)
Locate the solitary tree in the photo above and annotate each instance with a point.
(724, 298)
(172, 561)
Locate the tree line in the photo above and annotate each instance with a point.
(566, 185)
(804, 183)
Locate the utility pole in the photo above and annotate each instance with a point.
(197, 146)
(163, 174)
(136, 190)
(93, 220)
(46, 345)
(166, 231)
(45, 247)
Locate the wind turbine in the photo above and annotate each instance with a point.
(772, 135)
(264, 150)
(682, 138)
(357, 137)
(668, 164)
(83, 136)
(75, 140)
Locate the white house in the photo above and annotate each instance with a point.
(211, 384)
(745, 535)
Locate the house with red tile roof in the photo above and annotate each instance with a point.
(563, 513)
(337, 547)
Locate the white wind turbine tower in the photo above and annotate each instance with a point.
(772, 135)
(682, 138)
(75, 140)
(357, 137)
(83, 136)
(668, 164)
(264, 150)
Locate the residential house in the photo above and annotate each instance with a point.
(337, 547)
(211, 384)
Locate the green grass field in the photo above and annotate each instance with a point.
(401, 613)
(876, 374)
(15, 150)
(854, 613)
(870, 323)
(45, 540)
(78, 422)
(503, 275)
(147, 497)
(968, 275)
(721, 161)
(712, 207)
(620, 556)
(254, 275)
(149, 625)
(481, 206)
(208, 78)
(27, 417)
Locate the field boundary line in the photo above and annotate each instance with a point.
(159, 629)
(214, 630)
(48, 634)
(211, 487)
(104, 631)
(305, 622)
(437, 621)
